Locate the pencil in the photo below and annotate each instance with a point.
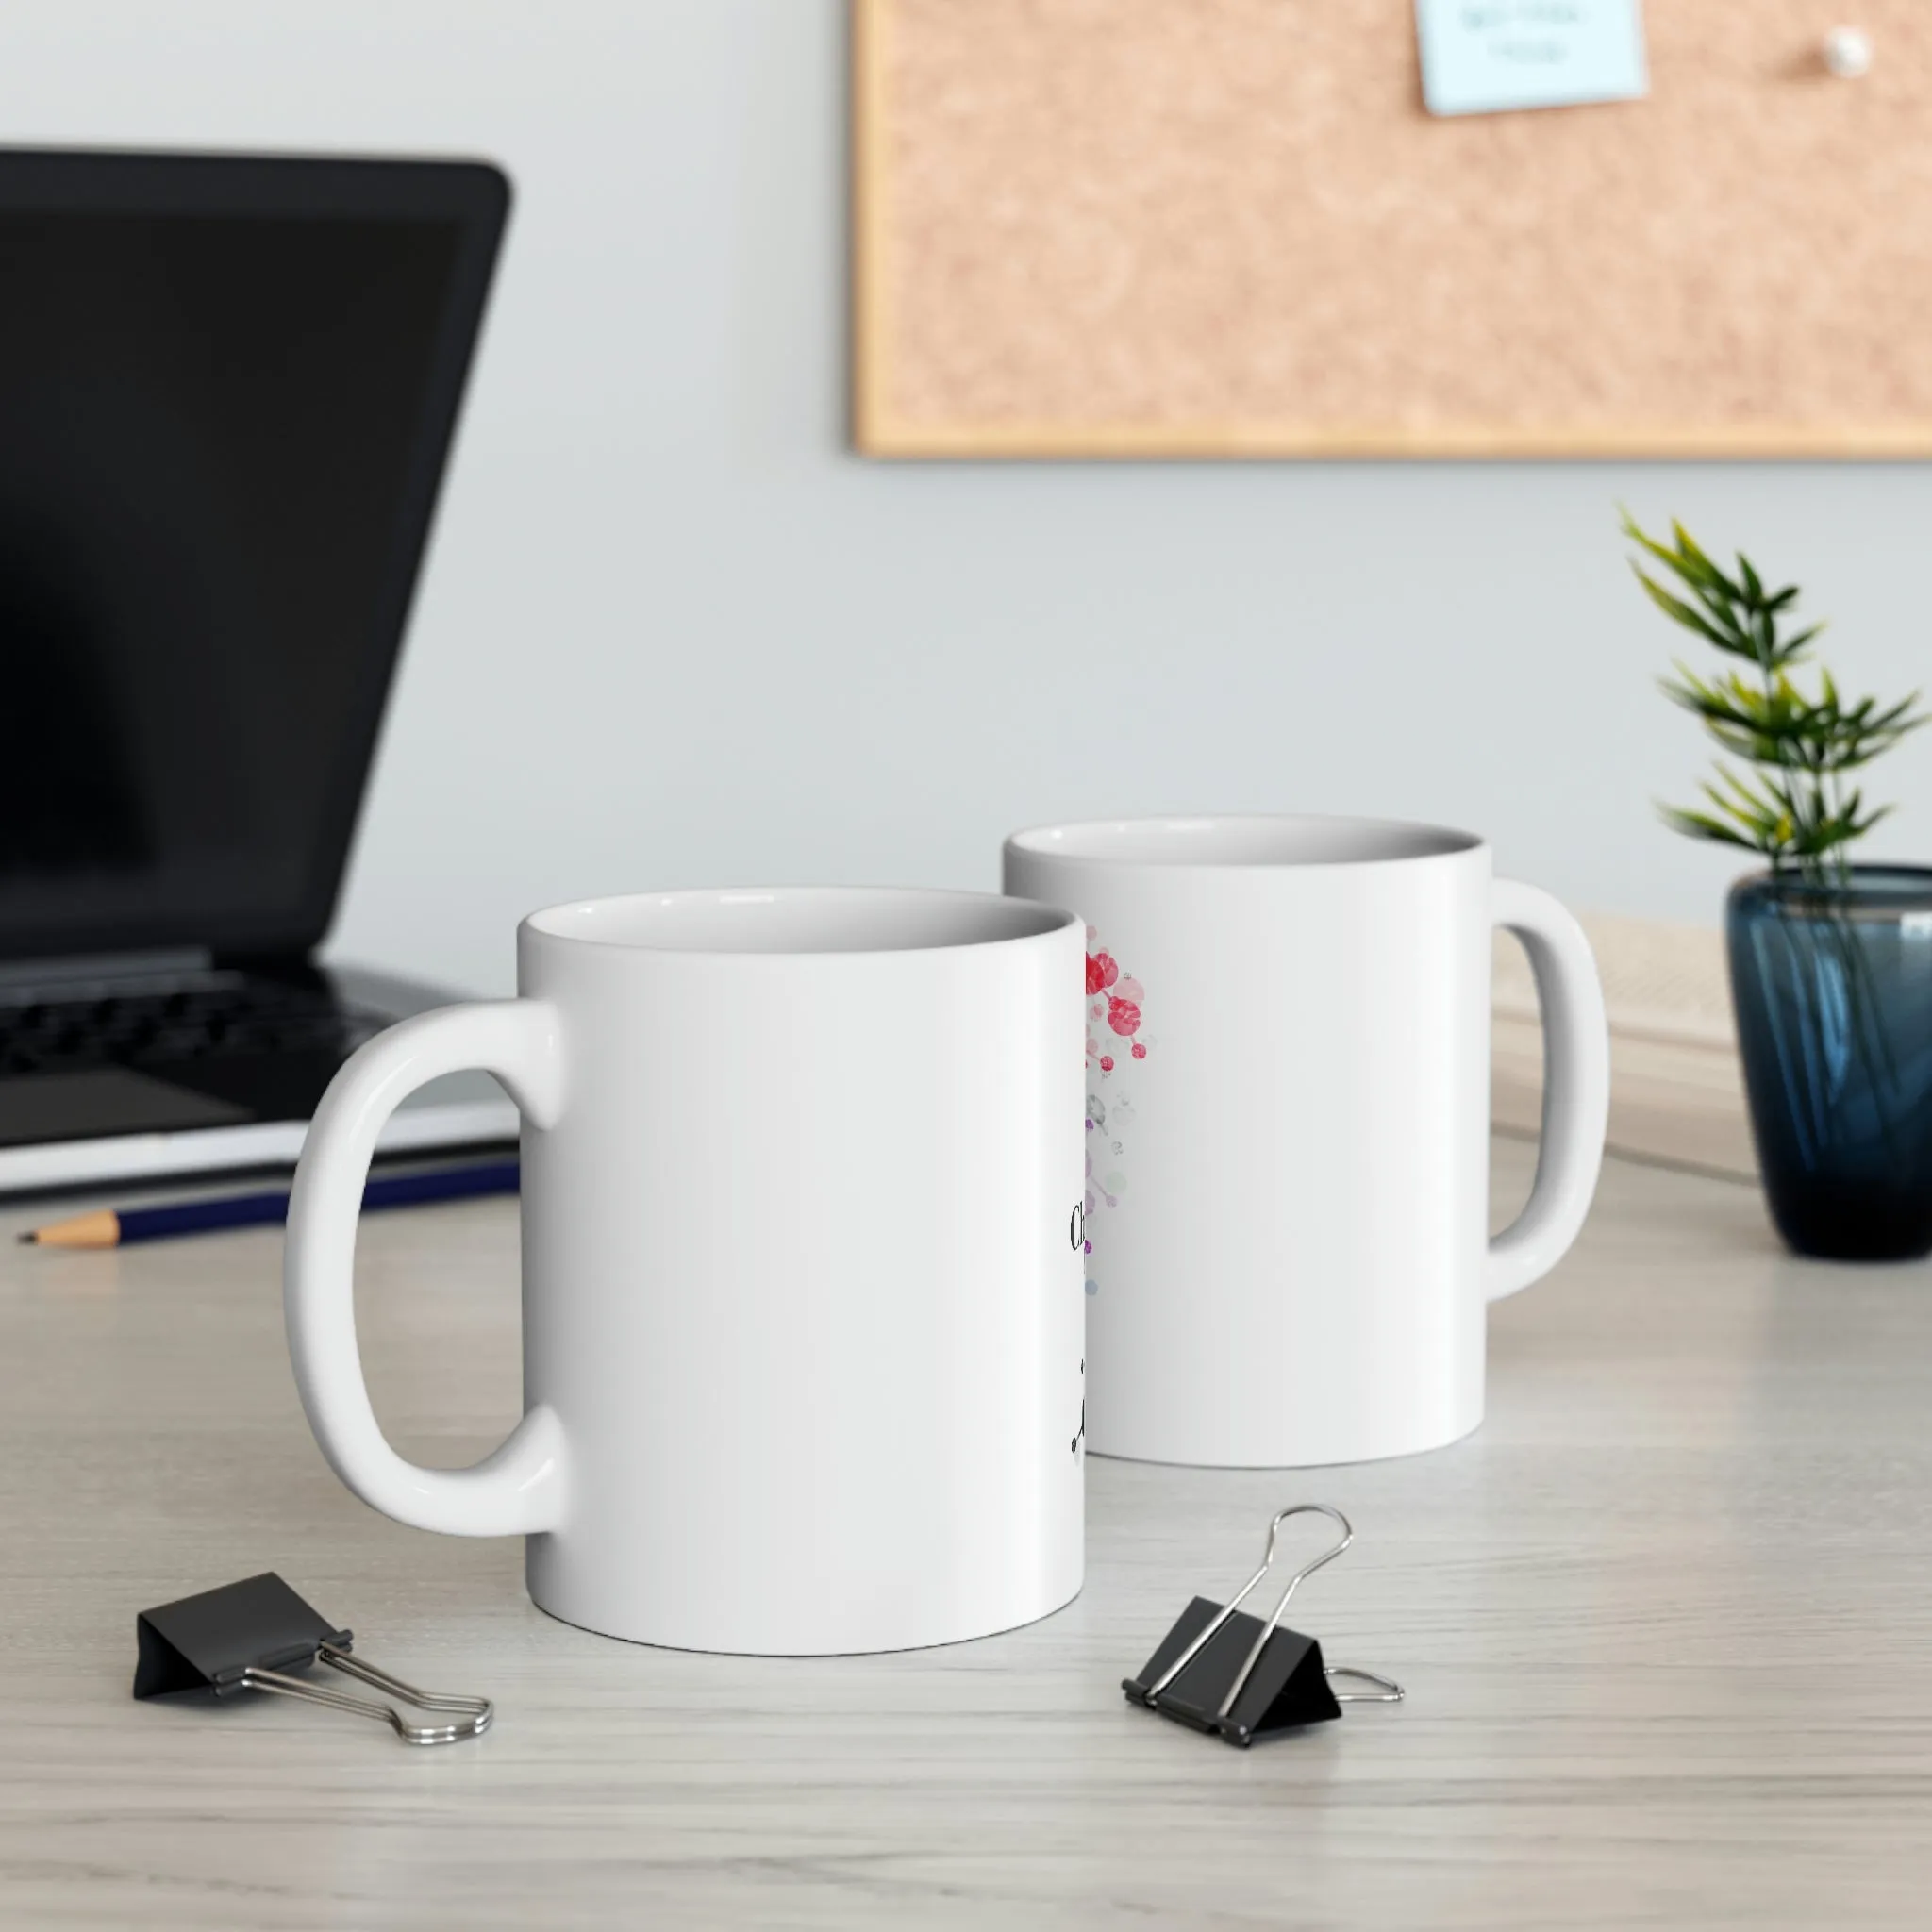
(107, 1229)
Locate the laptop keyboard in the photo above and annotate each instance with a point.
(224, 1015)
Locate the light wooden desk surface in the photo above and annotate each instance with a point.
(1666, 1624)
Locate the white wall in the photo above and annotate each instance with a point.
(673, 633)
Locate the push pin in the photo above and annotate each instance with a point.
(1847, 53)
(249, 1636)
(1224, 1671)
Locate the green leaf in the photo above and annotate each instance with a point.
(1680, 613)
(1830, 836)
(1699, 567)
(1887, 720)
(1697, 824)
(1760, 817)
(1688, 565)
(1782, 796)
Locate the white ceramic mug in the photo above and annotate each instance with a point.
(1287, 1063)
(802, 1310)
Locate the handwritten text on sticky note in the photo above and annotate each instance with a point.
(1480, 57)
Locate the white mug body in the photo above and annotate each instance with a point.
(1287, 1130)
(802, 1309)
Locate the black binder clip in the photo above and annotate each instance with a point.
(249, 1636)
(1223, 1670)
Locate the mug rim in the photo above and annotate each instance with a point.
(1421, 842)
(1021, 921)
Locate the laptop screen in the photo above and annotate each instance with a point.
(221, 430)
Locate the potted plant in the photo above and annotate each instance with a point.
(1830, 962)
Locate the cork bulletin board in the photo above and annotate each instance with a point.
(1230, 227)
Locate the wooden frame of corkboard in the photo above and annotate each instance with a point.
(1230, 228)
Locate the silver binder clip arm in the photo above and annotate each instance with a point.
(476, 1711)
(1308, 1569)
(1234, 1603)
(1389, 1693)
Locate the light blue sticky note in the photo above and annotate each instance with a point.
(1480, 57)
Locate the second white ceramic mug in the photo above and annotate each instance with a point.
(1288, 1127)
(802, 1306)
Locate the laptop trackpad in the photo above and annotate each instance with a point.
(103, 1100)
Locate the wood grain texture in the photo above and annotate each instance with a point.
(1126, 227)
(1662, 1622)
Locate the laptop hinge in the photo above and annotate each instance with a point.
(95, 968)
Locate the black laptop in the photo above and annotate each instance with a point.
(228, 388)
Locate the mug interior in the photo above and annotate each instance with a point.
(1243, 841)
(800, 919)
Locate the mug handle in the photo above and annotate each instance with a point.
(1577, 1087)
(521, 1487)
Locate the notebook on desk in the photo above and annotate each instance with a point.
(227, 388)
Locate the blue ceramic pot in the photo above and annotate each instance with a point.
(1833, 989)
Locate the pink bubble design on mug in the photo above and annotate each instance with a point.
(1115, 1001)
